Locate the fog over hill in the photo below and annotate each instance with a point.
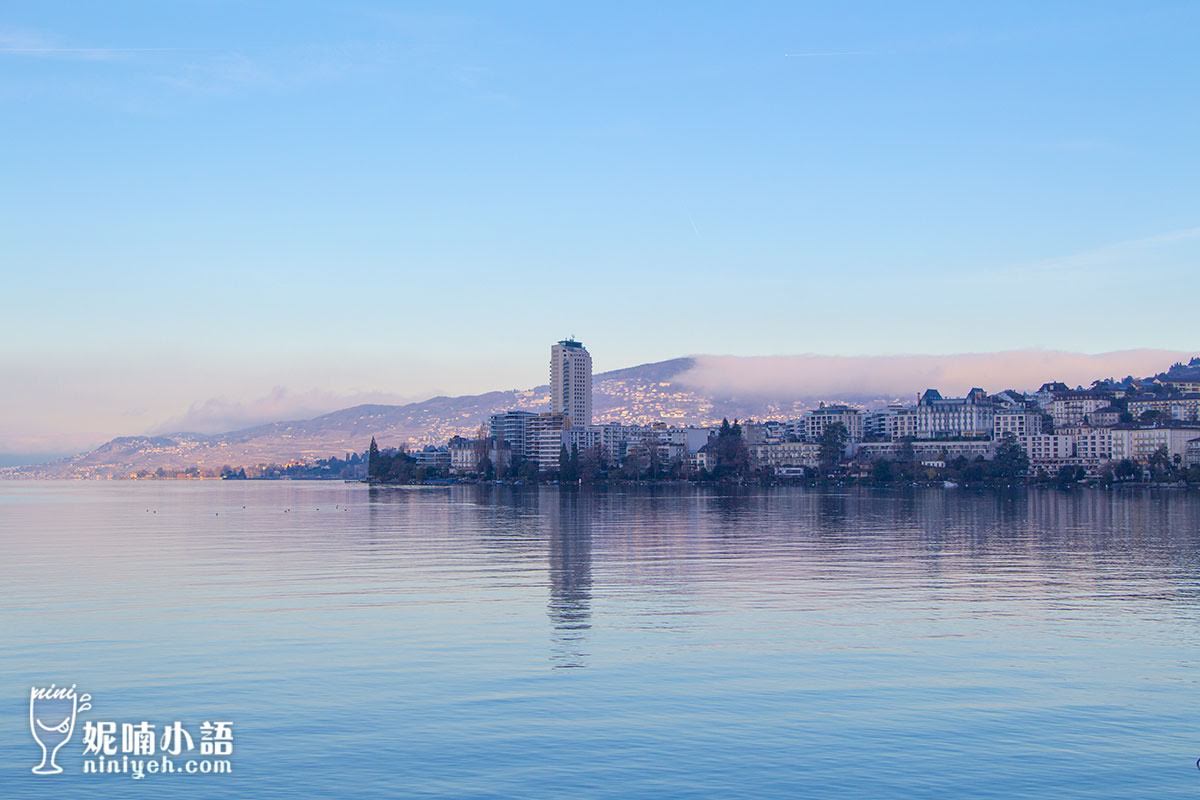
(906, 375)
(693, 390)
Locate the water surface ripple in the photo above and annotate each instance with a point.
(482, 642)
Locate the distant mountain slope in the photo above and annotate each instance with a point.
(680, 391)
(633, 395)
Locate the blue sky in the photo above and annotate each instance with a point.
(215, 199)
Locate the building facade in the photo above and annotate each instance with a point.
(815, 421)
(546, 440)
(1092, 444)
(512, 428)
(1016, 423)
(1185, 409)
(785, 454)
(1072, 408)
(970, 417)
(1049, 449)
(1191, 453)
(1139, 443)
(571, 382)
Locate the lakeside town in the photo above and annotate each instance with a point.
(1124, 430)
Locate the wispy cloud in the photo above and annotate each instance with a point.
(90, 51)
(281, 69)
(221, 75)
(35, 44)
(834, 53)
(415, 53)
(1126, 255)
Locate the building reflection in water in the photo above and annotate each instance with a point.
(569, 525)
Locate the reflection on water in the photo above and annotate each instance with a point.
(684, 642)
(569, 528)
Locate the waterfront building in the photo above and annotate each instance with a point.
(571, 382)
(1191, 453)
(464, 455)
(927, 450)
(1017, 423)
(1092, 443)
(815, 421)
(905, 425)
(874, 451)
(1138, 443)
(432, 457)
(545, 437)
(705, 459)
(584, 437)
(879, 424)
(467, 454)
(1104, 417)
(1072, 408)
(785, 454)
(1045, 395)
(753, 433)
(967, 417)
(969, 449)
(1184, 409)
(513, 429)
(1048, 448)
(776, 431)
(1011, 400)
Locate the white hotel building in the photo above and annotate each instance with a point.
(970, 417)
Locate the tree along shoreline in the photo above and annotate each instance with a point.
(1009, 468)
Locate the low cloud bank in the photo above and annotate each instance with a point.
(903, 376)
(222, 414)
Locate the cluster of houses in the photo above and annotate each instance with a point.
(1057, 426)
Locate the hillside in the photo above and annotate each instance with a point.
(641, 394)
(679, 391)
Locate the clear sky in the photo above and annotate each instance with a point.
(214, 199)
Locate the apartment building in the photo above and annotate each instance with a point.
(1092, 444)
(1049, 448)
(545, 436)
(1017, 423)
(814, 422)
(513, 429)
(786, 454)
(1068, 409)
(1139, 443)
(1184, 409)
(1191, 453)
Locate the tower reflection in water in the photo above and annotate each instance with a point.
(568, 516)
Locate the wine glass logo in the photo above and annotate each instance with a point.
(52, 713)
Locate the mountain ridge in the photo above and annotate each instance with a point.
(669, 391)
(630, 394)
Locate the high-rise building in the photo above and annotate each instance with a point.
(571, 382)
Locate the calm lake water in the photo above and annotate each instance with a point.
(471, 642)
